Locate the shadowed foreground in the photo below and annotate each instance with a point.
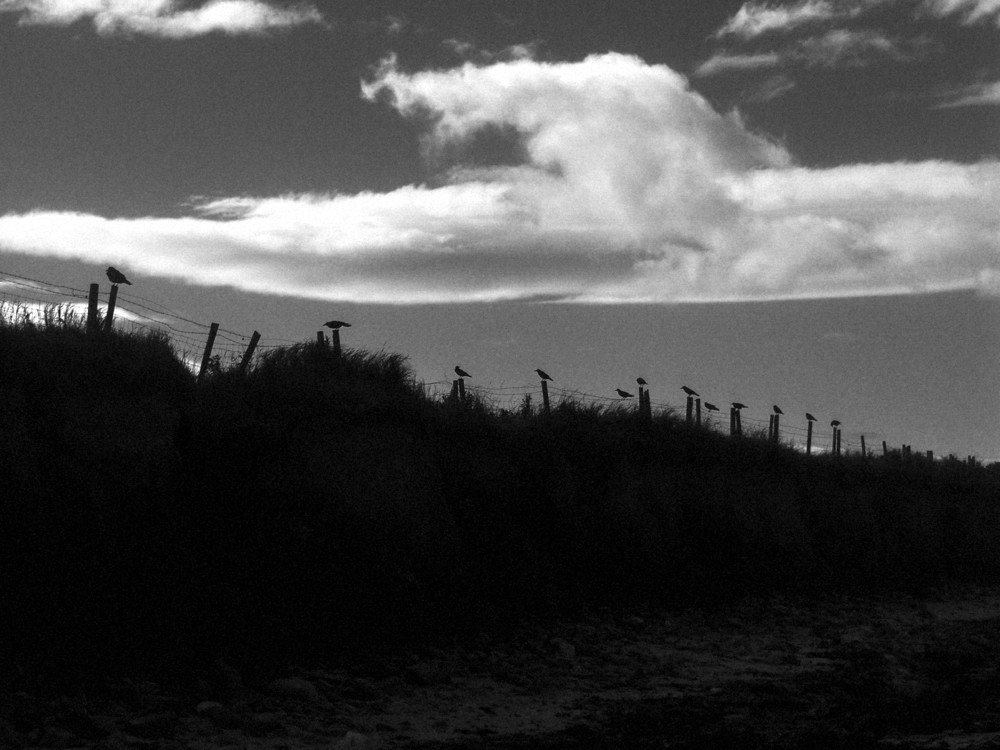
(323, 510)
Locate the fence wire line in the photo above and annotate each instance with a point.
(230, 346)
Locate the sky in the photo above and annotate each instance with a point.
(792, 203)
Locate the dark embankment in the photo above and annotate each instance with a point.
(316, 508)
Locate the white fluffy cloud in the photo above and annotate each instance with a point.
(633, 189)
(163, 18)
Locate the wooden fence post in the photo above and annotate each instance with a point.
(461, 390)
(454, 391)
(930, 455)
(208, 350)
(777, 428)
(249, 352)
(697, 405)
(92, 307)
(809, 438)
(739, 422)
(112, 303)
(839, 437)
(864, 453)
(770, 428)
(320, 338)
(335, 338)
(690, 408)
(885, 449)
(732, 420)
(545, 396)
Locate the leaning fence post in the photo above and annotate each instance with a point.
(885, 449)
(92, 307)
(864, 453)
(249, 352)
(545, 396)
(112, 303)
(208, 350)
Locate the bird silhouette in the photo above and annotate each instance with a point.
(641, 381)
(117, 277)
(336, 324)
(624, 394)
(777, 410)
(737, 405)
(543, 375)
(835, 423)
(461, 373)
(810, 417)
(690, 391)
(711, 407)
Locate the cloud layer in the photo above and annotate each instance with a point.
(632, 189)
(163, 18)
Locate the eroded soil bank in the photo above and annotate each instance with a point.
(890, 671)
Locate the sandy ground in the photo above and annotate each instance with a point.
(887, 671)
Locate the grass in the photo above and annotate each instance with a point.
(317, 507)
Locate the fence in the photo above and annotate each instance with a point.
(137, 312)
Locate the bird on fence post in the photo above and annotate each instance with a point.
(336, 324)
(117, 277)
(690, 391)
(737, 405)
(810, 417)
(461, 373)
(777, 410)
(642, 382)
(543, 375)
(711, 407)
(624, 394)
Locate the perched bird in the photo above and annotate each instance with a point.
(835, 423)
(810, 417)
(336, 324)
(461, 373)
(690, 391)
(117, 277)
(777, 410)
(543, 375)
(711, 407)
(624, 394)
(737, 405)
(641, 381)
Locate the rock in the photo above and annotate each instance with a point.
(296, 688)
(428, 673)
(218, 714)
(153, 726)
(261, 724)
(356, 741)
(564, 648)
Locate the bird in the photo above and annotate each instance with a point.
(336, 324)
(461, 373)
(690, 391)
(835, 423)
(737, 405)
(117, 277)
(624, 394)
(543, 375)
(641, 381)
(810, 417)
(711, 407)
(777, 410)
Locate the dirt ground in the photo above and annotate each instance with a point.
(835, 672)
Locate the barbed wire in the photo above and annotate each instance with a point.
(142, 312)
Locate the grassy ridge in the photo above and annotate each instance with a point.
(315, 507)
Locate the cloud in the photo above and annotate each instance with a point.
(975, 95)
(755, 19)
(969, 11)
(837, 48)
(633, 188)
(163, 18)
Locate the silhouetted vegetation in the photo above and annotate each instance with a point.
(316, 507)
